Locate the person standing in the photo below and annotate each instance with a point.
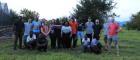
(18, 30)
(114, 28)
(57, 31)
(80, 32)
(97, 29)
(36, 26)
(89, 28)
(27, 31)
(73, 24)
(105, 31)
(66, 33)
(52, 34)
(42, 42)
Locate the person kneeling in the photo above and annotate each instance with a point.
(86, 44)
(42, 43)
(96, 46)
(31, 40)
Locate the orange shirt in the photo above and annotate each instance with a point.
(74, 26)
(113, 28)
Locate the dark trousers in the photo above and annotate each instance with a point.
(53, 40)
(89, 36)
(59, 41)
(66, 42)
(18, 38)
(96, 36)
(74, 40)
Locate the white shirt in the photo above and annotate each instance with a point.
(85, 42)
(31, 38)
(66, 29)
(94, 42)
(27, 28)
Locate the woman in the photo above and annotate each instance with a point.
(42, 42)
(66, 33)
(52, 34)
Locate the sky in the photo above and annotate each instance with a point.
(50, 9)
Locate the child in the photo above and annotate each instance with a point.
(96, 46)
(86, 43)
(31, 40)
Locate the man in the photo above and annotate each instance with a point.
(89, 28)
(105, 31)
(113, 35)
(27, 30)
(74, 26)
(36, 26)
(97, 29)
(18, 29)
(80, 32)
(52, 34)
(57, 31)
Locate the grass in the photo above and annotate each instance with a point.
(129, 50)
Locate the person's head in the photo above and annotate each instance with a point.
(44, 21)
(29, 20)
(36, 18)
(106, 19)
(113, 20)
(66, 23)
(72, 19)
(86, 37)
(89, 19)
(53, 20)
(97, 21)
(20, 18)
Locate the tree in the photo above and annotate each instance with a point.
(135, 22)
(13, 17)
(28, 14)
(95, 9)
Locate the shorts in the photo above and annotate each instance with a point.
(80, 34)
(114, 38)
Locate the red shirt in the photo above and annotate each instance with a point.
(74, 26)
(44, 28)
(113, 28)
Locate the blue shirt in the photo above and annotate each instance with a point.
(36, 26)
(89, 27)
(27, 28)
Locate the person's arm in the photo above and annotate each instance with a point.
(32, 25)
(48, 31)
(43, 31)
(70, 31)
(118, 28)
(62, 31)
(14, 27)
(23, 27)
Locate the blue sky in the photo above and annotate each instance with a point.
(57, 8)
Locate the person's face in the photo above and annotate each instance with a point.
(89, 20)
(97, 21)
(66, 23)
(29, 20)
(73, 20)
(113, 20)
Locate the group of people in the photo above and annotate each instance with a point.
(66, 34)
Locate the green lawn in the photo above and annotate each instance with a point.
(129, 50)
